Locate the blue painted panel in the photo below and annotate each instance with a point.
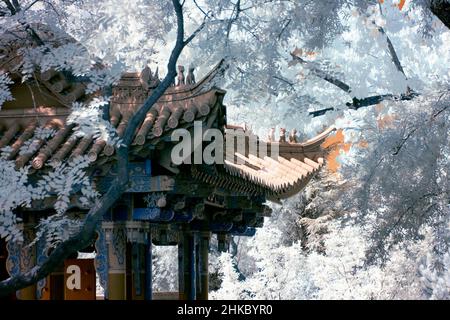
(148, 167)
(243, 231)
(148, 268)
(152, 214)
(183, 217)
(220, 227)
(101, 259)
(41, 257)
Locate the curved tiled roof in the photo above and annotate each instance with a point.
(56, 83)
(276, 176)
(178, 107)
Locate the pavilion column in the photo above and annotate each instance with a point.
(188, 290)
(102, 259)
(203, 266)
(148, 266)
(28, 260)
(192, 266)
(137, 234)
(115, 235)
(223, 242)
(21, 258)
(181, 260)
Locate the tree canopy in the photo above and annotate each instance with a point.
(377, 70)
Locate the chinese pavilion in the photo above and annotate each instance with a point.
(165, 204)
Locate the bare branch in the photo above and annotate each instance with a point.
(413, 130)
(16, 5)
(284, 28)
(237, 9)
(31, 4)
(196, 31)
(441, 9)
(10, 7)
(282, 79)
(403, 141)
(322, 74)
(201, 9)
(392, 52)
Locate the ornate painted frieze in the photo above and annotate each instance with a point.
(101, 259)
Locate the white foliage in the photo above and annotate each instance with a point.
(5, 93)
(435, 281)
(56, 229)
(231, 288)
(89, 121)
(64, 180)
(15, 192)
(104, 77)
(71, 57)
(30, 146)
(340, 37)
(165, 266)
(287, 272)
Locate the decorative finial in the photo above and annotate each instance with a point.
(282, 135)
(190, 78)
(293, 136)
(146, 77)
(180, 75)
(271, 135)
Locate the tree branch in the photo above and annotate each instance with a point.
(284, 28)
(392, 52)
(16, 5)
(196, 31)
(356, 103)
(282, 79)
(441, 9)
(31, 4)
(15, 8)
(403, 141)
(322, 74)
(10, 7)
(413, 130)
(86, 235)
(238, 10)
(201, 9)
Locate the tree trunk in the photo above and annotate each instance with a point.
(441, 9)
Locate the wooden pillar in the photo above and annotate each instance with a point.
(187, 266)
(136, 266)
(203, 275)
(21, 258)
(102, 260)
(139, 270)
(28, 260)
(57, 284)
(116, 239)
(198, 283)
(223, 242)
(128, 271)
(148, 267)
(181, 260)
(192, 266)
